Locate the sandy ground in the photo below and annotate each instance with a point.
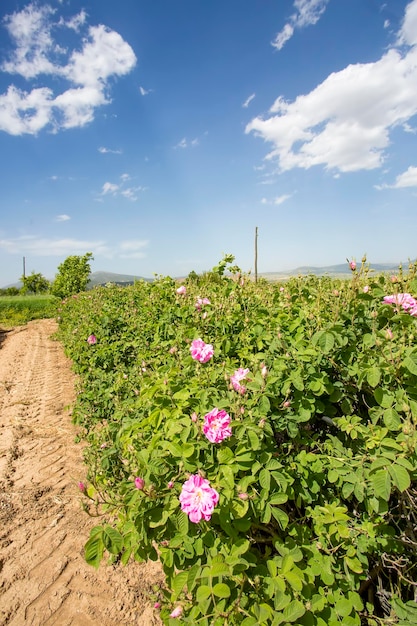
(44, 579)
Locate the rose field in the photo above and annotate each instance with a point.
(259, 439)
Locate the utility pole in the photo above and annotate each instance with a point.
(256, 254)
(24, 268)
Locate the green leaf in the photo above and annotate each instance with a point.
(400, 477)
(354, 564)
(373, 376)
(221, 590)
(381, 482)
(179, 582)
(228, 475)
(182, 394)
(294, 580)
(265, 479)
(294, 611)
(278, 498)
(384, 398)
(410, 363)
(254, 442)
(112, 539)
(203, 592)
(94, 549)
(264, 405)
(225, 455)
(250, 621)
(281, 517)
(239, 507)
(391, 419)
(219, 569)
(324, 340)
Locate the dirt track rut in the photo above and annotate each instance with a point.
(44, 580)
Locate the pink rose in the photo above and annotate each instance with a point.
(177, 612)
(201, 351)
(92, 339)
(200, 302)
(139, 483)
(405, 300)
(198, 499)
(240, 374)
(182, 290)
(216, 425)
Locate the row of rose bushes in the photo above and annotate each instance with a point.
(259, 439)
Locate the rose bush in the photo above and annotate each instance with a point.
(300, 507)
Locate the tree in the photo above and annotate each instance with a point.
(34, 283)
(73, 275)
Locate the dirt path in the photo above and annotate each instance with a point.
(44, 580)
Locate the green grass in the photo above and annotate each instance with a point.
(18, 310)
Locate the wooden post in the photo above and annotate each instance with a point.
(24, 267)
(256, 254)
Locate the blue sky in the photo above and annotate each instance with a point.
(157, 135)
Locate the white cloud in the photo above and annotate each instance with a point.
(345, 122)
(75, 22)
(62, 218)
(130, 193)
(40, 246)
(44, 247)
(408, 32)
(143, 91)
(307, 12)
(104, 150)
(276, 201)
(133, 249)
(186, 143)
(109, 188)
(248, 101)
(409, 129)
(102, 54)
(406, 179)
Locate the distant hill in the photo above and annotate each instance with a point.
(102, 278)
(339, 271)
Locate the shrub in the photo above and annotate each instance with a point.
(310, 399)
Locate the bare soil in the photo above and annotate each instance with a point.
(44, 580)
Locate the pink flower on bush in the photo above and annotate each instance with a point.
(139, 483)
(201, 351)
(92, 339)
(216, 425)
(177, 612)
(200, 302)
(405, 301)
(82, 487)
(366, 289)
(182, 290)
(240, 374)
(352, 265)
(389, 334)
(198, 499)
